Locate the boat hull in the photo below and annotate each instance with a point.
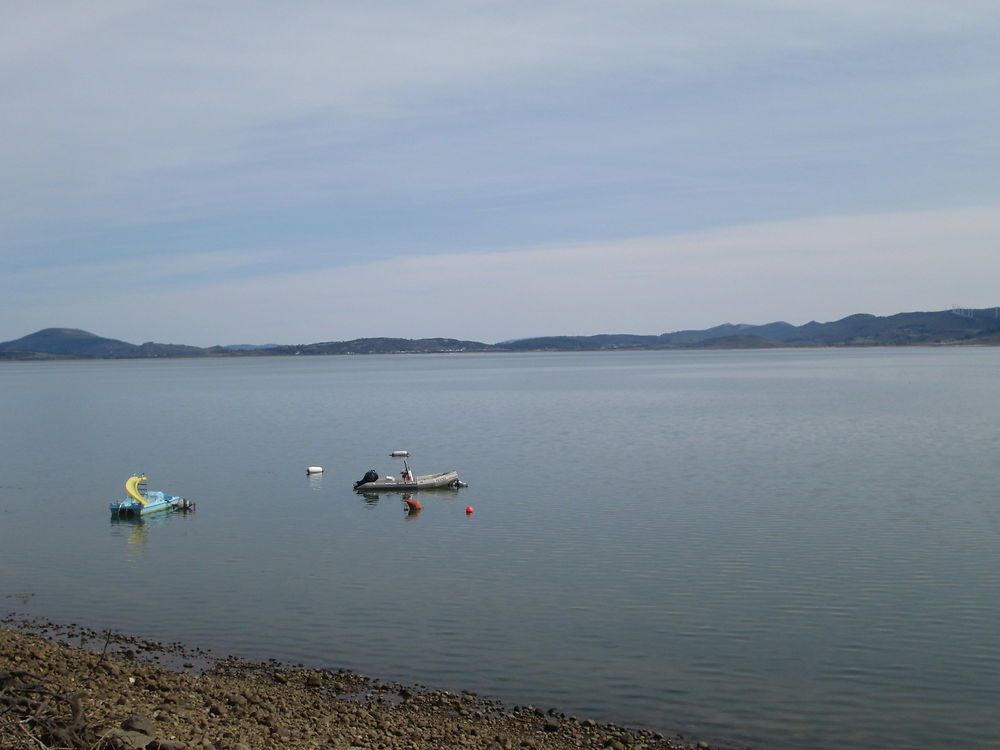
(156, 502)
(426, 482)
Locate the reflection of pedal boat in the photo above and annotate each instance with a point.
(406, 481)
(140, 502)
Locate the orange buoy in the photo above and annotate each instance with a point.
(413, 505)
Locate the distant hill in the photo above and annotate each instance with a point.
(72, 343)
(915, 328)
(385, 346)
(736, 341)
(248, 347)
(944, 327)
(77, 344)
(69, 342)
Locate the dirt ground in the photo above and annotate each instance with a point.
(67, 687)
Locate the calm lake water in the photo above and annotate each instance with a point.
(774, 549)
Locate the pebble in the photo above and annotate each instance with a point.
(139, 723)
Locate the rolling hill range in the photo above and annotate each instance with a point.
(944, 327)
(903, 329)
(72, 343)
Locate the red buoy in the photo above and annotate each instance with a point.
(468, 510)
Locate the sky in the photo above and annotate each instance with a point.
(240, 171)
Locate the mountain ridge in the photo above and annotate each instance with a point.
(944, 327)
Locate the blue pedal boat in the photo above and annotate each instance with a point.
(142, 502)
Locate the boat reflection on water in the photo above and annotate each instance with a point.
(411, 506)
(442, 492)
(139, 529)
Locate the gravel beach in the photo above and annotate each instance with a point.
(69, 687)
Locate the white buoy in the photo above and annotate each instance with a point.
(399, 454)
(314, 470)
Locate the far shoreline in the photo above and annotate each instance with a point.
(503, 352)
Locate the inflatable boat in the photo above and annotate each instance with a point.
(407, 481)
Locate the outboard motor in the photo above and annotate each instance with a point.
(370, 476)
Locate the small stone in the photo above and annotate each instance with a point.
(126, 739)
(139, 723)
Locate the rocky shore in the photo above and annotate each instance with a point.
(69, 687)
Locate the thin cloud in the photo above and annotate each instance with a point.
(324, 135)
(752, 274)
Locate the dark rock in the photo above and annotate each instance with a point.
(139, 723)
(122, 739)
(166, 745)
